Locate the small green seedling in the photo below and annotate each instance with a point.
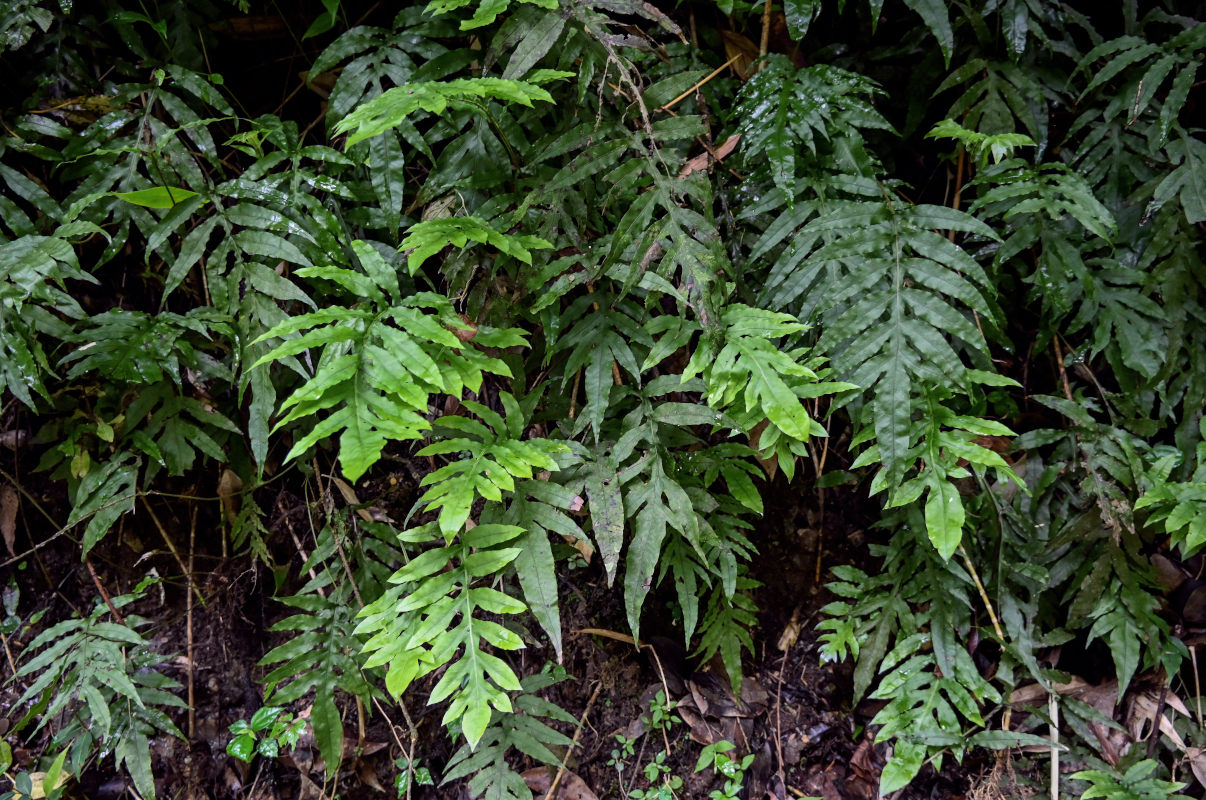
(661, 713)
(269, 729)
(717, 757)
(411, 774)
(662, 785)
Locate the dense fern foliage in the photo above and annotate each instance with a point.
(613, 273)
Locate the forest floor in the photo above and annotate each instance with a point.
(793, 713)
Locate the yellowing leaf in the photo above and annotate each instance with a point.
(156, 197)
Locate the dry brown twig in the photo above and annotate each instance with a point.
(190, 669)
(551, 794)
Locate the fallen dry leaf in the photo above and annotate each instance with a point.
(370, 514)
(702, 732)
(584, 548)
(791, 632)
(1032, 693)
(9, 503)
(867, 761)
(229, 487)
(368, 775)
(310, 790)
(706, 158)
(735, 44)
(1142, 713)
(540, 779)
(1197, 762)
(1168, 573)
(466, 333)
(14, 439)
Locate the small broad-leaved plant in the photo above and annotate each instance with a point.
(270, 730)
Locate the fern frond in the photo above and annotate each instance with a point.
(907, 288)
(494, 457)
(753, 378)
(486, 11)
(100, 681)
(523, 730)
(390, 108)
(434, 614)
(379, 362)
(783, 111)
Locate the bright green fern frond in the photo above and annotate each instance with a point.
(389, 109)
(752, 377)
(493, 458)
(379, 363)
(433, 614)
(485, 13)
(523, 730)
(425, 239)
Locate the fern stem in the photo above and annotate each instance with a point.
(992, 614)
(301, 551)
(188, 624)
(171, 545)
(1053, 708)
(407, 753)
(8, 653)
(573, 409)
(1197, 682)
(765, 41)
(1063, 370)
(100, 587)
(347, 568)
(699, 84)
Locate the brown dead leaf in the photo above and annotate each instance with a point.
(769, 465)
(793, 748)
(584, 548)
(708, 158)
(1197, 762)
(606, 634)
(38, 779)
(791, 632)
(346, 491)
(263, 791)
(761, 781)
(1168, 573)
(540, 779)
(867, 761)
(702, 732)
(467, 332)
(368, 775)
(310, 790)
(735, 44)
(350, 747)
(701, 702)
(370, 514)
(229, 487)
(14, 439)
(1142, 713)
(1033, 693)
(754, 697)
(9, 503)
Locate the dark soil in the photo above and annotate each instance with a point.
(793, 712)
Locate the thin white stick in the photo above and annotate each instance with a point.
(1053, 708)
